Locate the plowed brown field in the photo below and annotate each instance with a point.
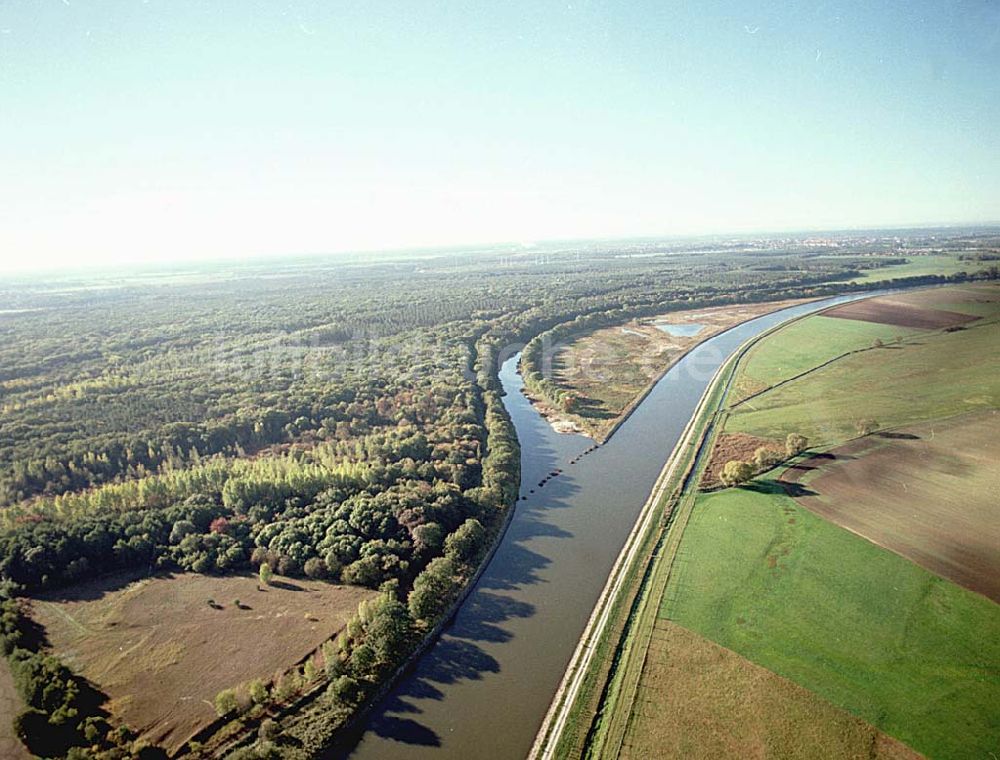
(889, 312)
(929, 492)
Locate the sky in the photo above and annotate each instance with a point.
(172, 130)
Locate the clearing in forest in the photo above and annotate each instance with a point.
(161, 652)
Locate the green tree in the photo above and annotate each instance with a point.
(465, 543)
(309, 671)
(265, 574)
(226, 702)
(429, 536)
(345, 689)
(390, 631)
(433, 589)
(258, 691)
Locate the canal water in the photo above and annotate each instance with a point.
(483, 689)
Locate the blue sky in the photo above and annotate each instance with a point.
(162, 130)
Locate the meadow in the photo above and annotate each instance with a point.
(929, 376)
(162, 648)
(727, 706)
(862, 627)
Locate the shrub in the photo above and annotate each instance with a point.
(345, 689)
(226, 702)
(258, 691)
(795, 444)
(265, 574)
(736, 472)
(865, 426)
(765, 458)
(314, 568)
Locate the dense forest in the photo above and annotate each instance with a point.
(338, 419)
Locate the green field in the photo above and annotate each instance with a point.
(871, 632)
(917, 266)
(805, 343)
(933, 376)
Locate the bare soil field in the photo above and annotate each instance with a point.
(892, 311)
(929, 492)
(697, 699)
(161, 653)
(729, 446)
(980, 299)
(610, 367)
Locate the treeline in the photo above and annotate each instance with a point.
(357, 662)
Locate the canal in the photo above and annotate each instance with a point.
(483, 689)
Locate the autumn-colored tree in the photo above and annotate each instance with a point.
(736, 472)
(765, 457)
(219, 525)
(795, 444)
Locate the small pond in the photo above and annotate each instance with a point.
(686, 330)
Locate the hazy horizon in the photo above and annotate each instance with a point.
(151, 132)
(522, 248)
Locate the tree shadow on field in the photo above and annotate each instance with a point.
(898, 436)
(797, 490)
(97, 588)
(592, 409)
(779, 487)
(285, 585)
